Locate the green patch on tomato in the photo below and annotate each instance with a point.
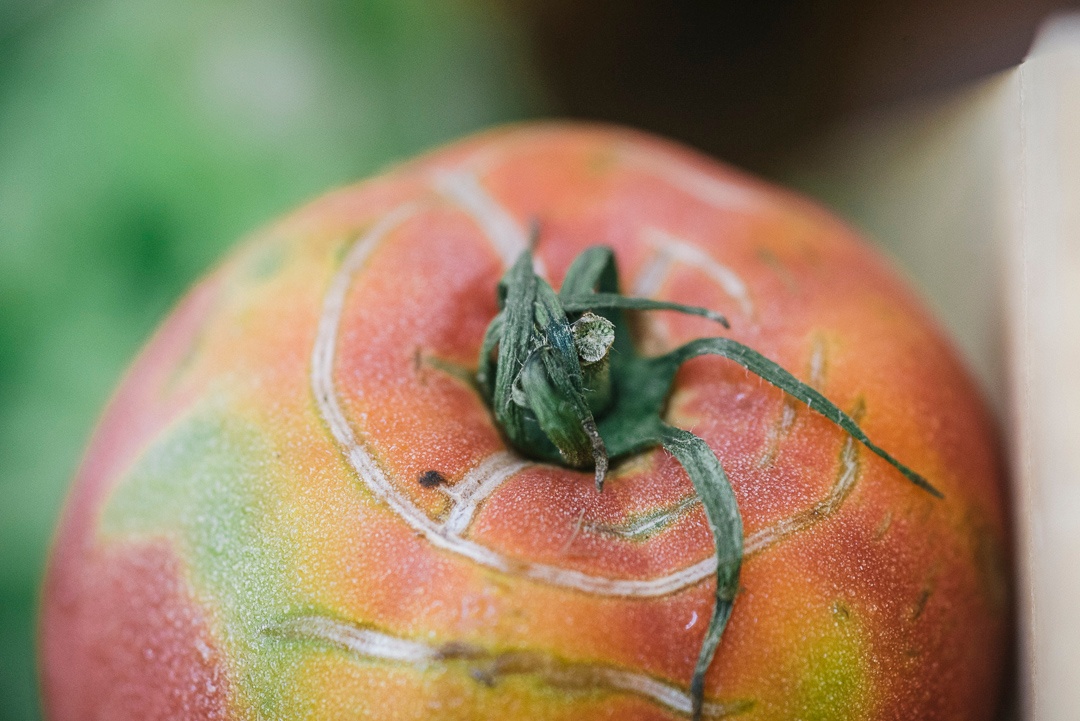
(210, 485)
(834, 684)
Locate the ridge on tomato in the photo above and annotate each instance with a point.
(300, 504)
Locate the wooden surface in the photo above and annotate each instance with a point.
(1043, 269)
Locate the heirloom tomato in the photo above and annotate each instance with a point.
(339, 483)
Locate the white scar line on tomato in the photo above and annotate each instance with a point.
(652, 276)
(817, 363)
(639, 528)
(360, 641)
(369, 644)
(721, 194)
(462, 186)
(443, 535)
(671, 249)
(372, 475)
(762, 538)
(477, 485)
(779, 430)
(827, 506)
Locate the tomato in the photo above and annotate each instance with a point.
(299, 503)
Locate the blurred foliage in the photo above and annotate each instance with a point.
(137, 141)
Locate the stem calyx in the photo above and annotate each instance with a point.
(566, 385)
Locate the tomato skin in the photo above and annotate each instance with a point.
(261, 462)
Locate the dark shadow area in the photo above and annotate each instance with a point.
(752, 81)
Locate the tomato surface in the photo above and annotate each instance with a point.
(256, 532)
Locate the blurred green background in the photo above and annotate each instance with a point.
(140, 138)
